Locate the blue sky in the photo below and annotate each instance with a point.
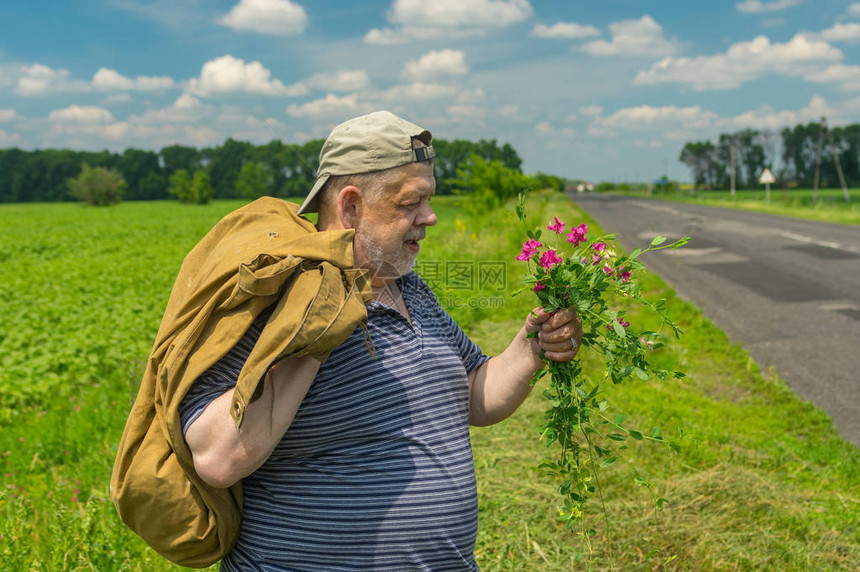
(596, 90)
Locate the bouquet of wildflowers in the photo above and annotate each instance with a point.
(571, 270)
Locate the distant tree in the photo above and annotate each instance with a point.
(201, 190)
(97, 186)
(152, 187)
(175, 157)
(135, 165)
(254, 180)
(180, 186)
(490, 184)
(223, 165)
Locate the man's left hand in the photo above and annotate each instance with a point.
(559, 334)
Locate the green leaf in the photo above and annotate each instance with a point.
(608, 461)
(640, 373)
(658, 240)
(681, 242)
(660, 502)
(617, 436)
(619, 329)
(635, 434)
(635, 254)
(656, 433)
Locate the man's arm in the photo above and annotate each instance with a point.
(223, 454)
(498, 386)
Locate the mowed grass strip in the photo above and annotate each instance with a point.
(829, 206)
(762, 480)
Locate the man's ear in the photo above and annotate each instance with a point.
(350, 206)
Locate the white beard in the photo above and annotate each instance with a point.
(387, 266)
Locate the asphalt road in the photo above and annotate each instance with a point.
(787, 289)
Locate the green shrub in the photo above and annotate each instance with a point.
(97, 186)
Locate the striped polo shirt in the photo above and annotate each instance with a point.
(376, 470)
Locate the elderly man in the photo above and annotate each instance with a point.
(363, 462)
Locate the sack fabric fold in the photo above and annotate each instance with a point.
(261, 255)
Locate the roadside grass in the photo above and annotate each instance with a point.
(830, 206)
(762, 480)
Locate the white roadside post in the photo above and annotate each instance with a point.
(766, 179)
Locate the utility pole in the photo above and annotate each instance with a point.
(818, 162)
(838, 167)
(732, 161)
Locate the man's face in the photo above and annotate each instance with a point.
(388, 234)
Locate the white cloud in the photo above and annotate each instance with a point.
(232, 75)
(470, 111)
(564, 30)
(340, 80)
(642, 37)
(109, 80)
(471, 95)
(186, 109)
(88, 114)
(415, 20)
(854, 10)
(8, 115)
(460, 13)
(272, 17)
(117, 135)
(418, 91)
(329, 106)
(9, 139)
(766, 118)
(547, 130)
(744, 61)
(848, 77)
(848, 33)
(591, 110)
(117, 98)
(759, 7)
(435, 65)
(647, 116)
(509, 110)
(38, 79)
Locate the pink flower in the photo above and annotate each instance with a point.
(549, 259)
(538, 287)
(556, 226)
(599, 246)
(620, 321)
(607, 270)
(595, 259)
(576, 236)
(529, 249)
(625, 276)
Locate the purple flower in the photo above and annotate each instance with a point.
(625, 276)
(538, 287)
(598, 246)
(556, 226)
(529, 249)
(549, 259)
(607, 270)
(576, 236)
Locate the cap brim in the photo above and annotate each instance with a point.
(311, 204)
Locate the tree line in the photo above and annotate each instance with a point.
(798, 148)
(234, 169)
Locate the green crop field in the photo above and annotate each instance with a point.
(762, 481)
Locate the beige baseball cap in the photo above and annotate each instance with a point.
(373, 142)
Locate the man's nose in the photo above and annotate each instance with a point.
(427, 217)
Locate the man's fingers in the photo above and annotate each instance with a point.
(537, 317)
